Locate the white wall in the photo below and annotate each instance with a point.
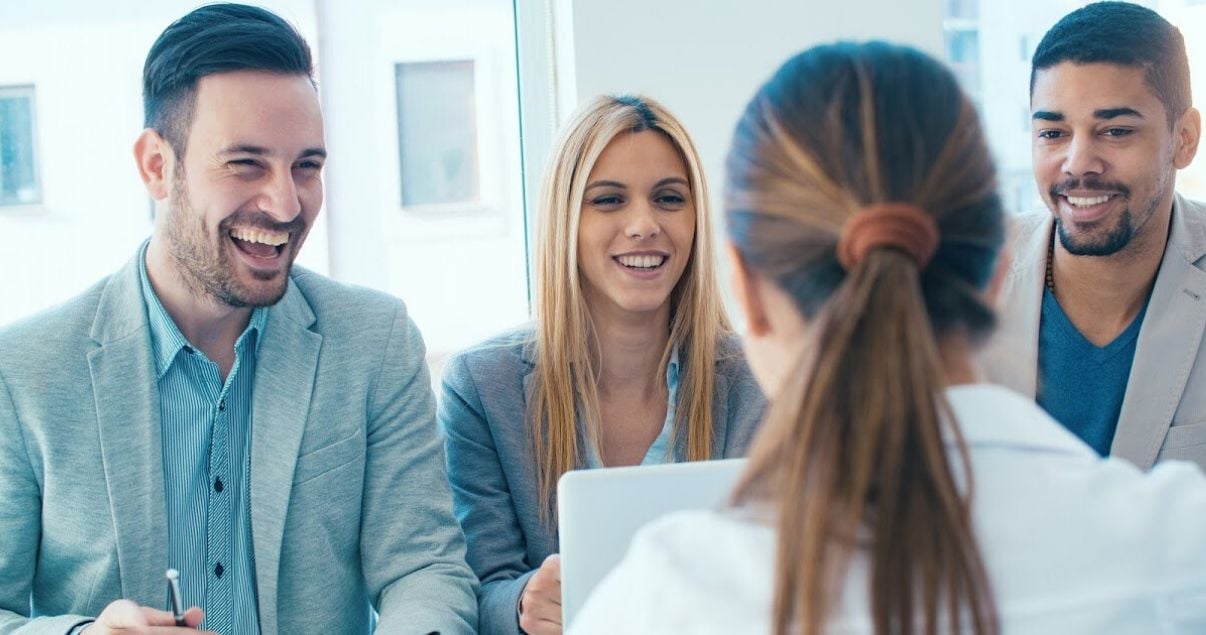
(704, 60)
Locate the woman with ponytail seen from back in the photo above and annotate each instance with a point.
(888, 491)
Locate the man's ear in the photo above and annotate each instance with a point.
(747, 288)
(1188, 134)
(155, 158)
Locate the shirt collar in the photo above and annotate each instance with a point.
(991, 415)
(166, 339)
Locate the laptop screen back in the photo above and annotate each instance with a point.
(600, 510)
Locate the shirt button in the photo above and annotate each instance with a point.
(222, 406)
(218, 570)
(188, 349)
(218, 486)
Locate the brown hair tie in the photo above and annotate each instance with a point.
(901, 225)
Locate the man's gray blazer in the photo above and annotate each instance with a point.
(492, 471)
(1164, 411)
(349, 500)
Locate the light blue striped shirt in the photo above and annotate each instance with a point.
(206, 429)
(658, 452)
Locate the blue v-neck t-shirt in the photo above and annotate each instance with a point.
(1080, 384)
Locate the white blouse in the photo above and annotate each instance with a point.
(1073, 544)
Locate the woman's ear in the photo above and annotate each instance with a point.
(747, 289)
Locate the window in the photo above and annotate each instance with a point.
(437, 133)
(18, 161)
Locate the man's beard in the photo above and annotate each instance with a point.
(208, 268)
(1113, 242)
(1118, 236)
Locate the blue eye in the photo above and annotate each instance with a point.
(606, 200)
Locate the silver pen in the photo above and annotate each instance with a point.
(173, 578)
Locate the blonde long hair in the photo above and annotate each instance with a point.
(566, 357)
(853, 454)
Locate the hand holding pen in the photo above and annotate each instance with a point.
(124, 616)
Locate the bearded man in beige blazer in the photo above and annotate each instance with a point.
(1104, 305)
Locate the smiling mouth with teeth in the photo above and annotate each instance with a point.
(1087, 201)
(259, 243)
(643, 262)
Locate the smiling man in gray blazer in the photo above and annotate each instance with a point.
(268, 432)
(1103, 310)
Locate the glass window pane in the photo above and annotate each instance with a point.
(963, 47)
(437, 132)
(18, 172)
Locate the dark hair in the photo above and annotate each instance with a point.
(215, 38)
(1124, 34)
(852, 453)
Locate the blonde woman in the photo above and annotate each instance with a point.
(630, 359)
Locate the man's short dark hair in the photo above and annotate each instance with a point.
(216, 38)
(1127, 35)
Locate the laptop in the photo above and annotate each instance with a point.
(599, 511)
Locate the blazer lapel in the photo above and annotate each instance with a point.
(1168, 344)
(286, 367)
(127, 408)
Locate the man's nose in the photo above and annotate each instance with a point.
(280, 199)
(1082, 157)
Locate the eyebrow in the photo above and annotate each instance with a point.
(673, 180)
(262, 151)
(1103, 113)
(1111, 113)
(606, 184)
(666, 181)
